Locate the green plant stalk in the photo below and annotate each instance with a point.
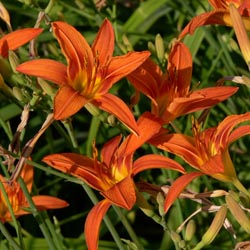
(6, 234)
(240, 187)
(49, 6)
(94, 126)
(56, 237)
(69, 128)
(37, 215)
(6, 129)
(106, 219)
(128, 227)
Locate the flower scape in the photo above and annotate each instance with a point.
(124, 125)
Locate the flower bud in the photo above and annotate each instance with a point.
(46, 87)
(238, 212)
(160, 200)
(4, 15)
(151, 48)
(18, 94)
(214, 228)
(14, 60)
(190, 230)
(159, 46)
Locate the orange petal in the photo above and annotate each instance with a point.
(67, 102)
(239, 132)
(213, 17)
(219, 4)
(27, 175)
(4, 15)
(17, 38)
(241, 33)
(76, 165)
(226, 126)
(177, 187)
(93, 222)
(155, 161)
(109, 149)
(114, 105)
(45, 68)
(44, 202)
(178, 144)
(75, 48)
(180, 68)
(103, 46)
(122, 194)
(147, 79)
(148, 126)
(198, 100)
(121, 66)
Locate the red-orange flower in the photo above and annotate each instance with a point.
(18, 200)
(16, 39)
(207, 151)
(169, 92)
(220, 15)
(113, 174)
(90, 73)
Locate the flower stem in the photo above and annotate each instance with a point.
(6, 234)
(37, 215)
(240, 187)
(128, 227)
(68, 125)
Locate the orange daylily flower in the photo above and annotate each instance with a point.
(241, 33)
(113, 174)
(207, 151)
(17, 198)
(17, 38)
(169, 92)
(220, 15)
(90, 73)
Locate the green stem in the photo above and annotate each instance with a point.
(6, 128)
(6, 234)
(94, 127)
(240, 187)
(68, 125)
(106, 219)
(37, 215)
(49, 6)
(128, 227)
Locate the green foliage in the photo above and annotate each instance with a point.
(136, 23)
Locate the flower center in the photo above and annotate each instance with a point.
(88, 81)
(16, 199)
